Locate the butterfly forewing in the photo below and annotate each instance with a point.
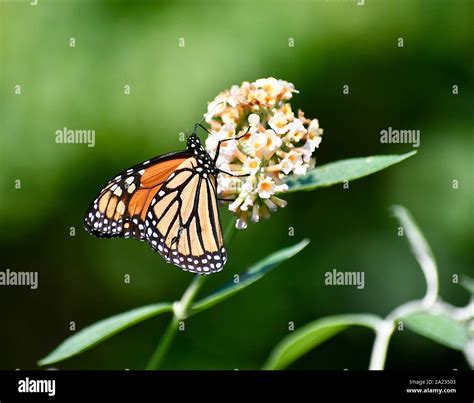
(120, 208)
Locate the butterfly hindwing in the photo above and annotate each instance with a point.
(183, 222)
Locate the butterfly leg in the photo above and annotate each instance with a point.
(222, 141)
(228, 173)
(219, 147)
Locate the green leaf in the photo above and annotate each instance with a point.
(253, 274)
(313, 334)
(102, 330)
(468, 283)
(345, 170)
(440, 328)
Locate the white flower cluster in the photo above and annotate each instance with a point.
(274, 144)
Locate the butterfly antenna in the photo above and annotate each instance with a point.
(212, 110)
(199, 124)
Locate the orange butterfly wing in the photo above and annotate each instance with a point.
(120, 208)
(170, 202)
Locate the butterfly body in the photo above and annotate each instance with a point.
(170, 202)
(206, 166)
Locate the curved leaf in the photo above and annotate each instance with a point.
(313, 334)
(102, 330)
(254, 273)
(439, 328)
(341, 171)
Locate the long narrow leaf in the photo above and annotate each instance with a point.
(341, 171)
(313, 334)
(253, 274)
(102, 330)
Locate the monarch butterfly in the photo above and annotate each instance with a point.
(170, 202)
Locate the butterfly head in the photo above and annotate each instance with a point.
(205, 163)
(193, 142)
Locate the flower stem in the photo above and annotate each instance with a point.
(179, 312)
(423, 254)
(383, 333)
(163, 347)
(180, 309)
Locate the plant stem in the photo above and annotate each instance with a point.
(383, 332)
(180, 309)
(426, 260)
(164, 344)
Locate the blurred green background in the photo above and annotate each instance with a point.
(136, 43)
